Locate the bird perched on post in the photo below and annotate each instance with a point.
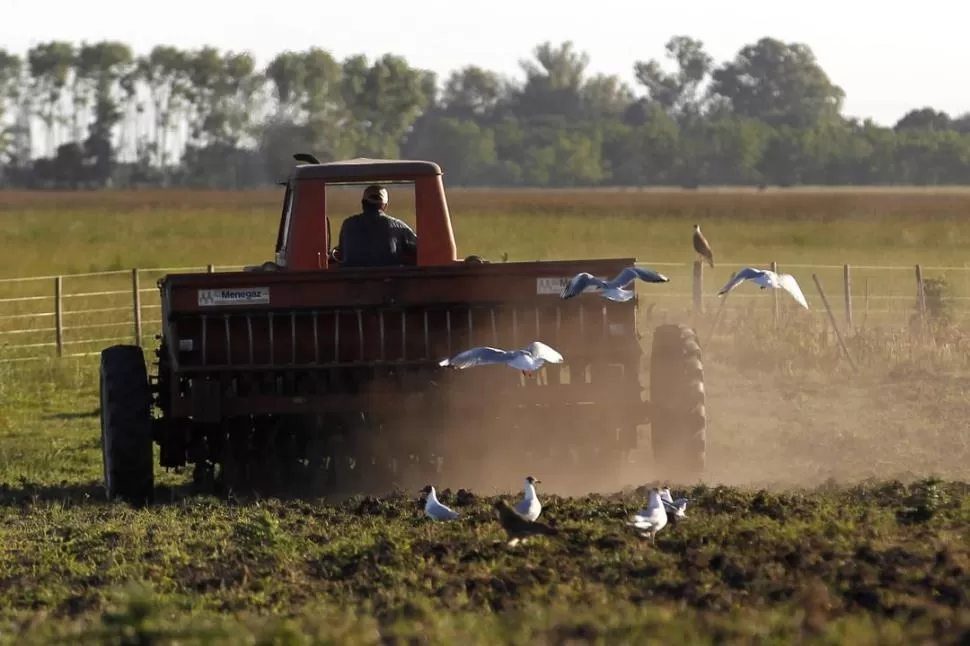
(518, 527)
(702, 247)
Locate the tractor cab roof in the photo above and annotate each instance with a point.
(363, 169)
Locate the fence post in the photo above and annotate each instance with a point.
(774, 295)
(835, 325)
(698, 287)
(865, 322)
(920, 291)
(211, 269)
(136, 305)
(59, 314)
(847, 286)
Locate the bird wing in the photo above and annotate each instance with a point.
(654, 517)
(748, 273)
(529, 508)
(540, 350)
(630, 274)
(438, 511)
(477, 357)
(618, 294)
(665, 495)
(578, 284)
(700, 244)
(790, 285)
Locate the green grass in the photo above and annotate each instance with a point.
(836, 508)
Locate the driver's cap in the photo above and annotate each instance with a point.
(375, 194)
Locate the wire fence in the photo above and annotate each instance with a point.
(76, 315)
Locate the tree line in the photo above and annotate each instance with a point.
(100, 115)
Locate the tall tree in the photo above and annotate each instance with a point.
(50, 66)
(780, 84)
(677, 92)
(553, 82)
(11, 83)
(474, 93)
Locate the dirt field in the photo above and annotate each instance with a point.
(836, 508)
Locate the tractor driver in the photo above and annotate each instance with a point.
(373, 238)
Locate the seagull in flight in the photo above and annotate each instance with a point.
(767, 278)
(529, 506)
(527, 360)
(434, 509)
(610, 289)
(652, 519)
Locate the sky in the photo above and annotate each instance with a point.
(887, 61)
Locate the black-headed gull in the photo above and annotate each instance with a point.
(702, 247)
(518, 527)
(529, 506)
(528, 359)
(673, 507)
(610, 289)
(652, 519)
(766, 278)
(434, 509)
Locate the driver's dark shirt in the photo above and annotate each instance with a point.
(375, 239)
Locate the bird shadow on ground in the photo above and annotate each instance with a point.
(73, 415)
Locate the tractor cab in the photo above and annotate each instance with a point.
(305, 240)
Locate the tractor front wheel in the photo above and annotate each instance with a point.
(678, 418)
(126, 425)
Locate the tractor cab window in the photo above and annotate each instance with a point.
(378, 228)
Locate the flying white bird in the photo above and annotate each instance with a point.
(767, 278)
(528, 359)
(610, 289)
(529, 506)
(434, 509)
(671, 506)
(652, 519)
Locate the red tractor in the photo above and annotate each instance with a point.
(300, 373)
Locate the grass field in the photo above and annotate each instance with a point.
(821, 520)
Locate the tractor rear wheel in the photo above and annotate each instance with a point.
(678, 418)
(126, 425)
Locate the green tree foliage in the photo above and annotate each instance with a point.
(106, 116)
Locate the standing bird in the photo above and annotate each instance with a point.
(610, 289)
(702, 247)
(434, 509)
(527, 360)
(529, 506)
(518, 527)
(767, 278)
(652, 519)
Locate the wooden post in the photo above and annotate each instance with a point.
(835, 325)
(698, 287)
(211, 269)
(865, 322)
(847, 287)
(774, 296)
(717, 318)
(59, 314)
(920, 291)
(136, 304)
